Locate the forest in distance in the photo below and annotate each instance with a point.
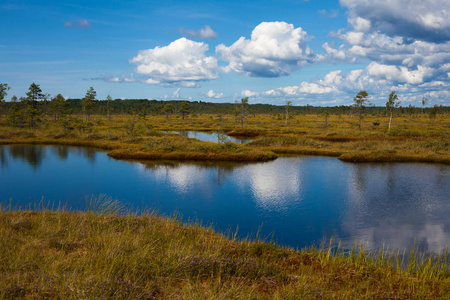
(157, 107)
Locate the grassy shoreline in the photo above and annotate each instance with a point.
(121, 150)
(89, 255)
(125, 137)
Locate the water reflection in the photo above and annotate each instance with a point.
(28, 153)
(3, 157)
(62, 152)
(188, 176)
(300, 200)
(212, 137)
(397, 234)
(274, 186)
(399, 205)
(34, 155)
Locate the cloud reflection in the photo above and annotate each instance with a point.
(395, 234)
(274, 185)
(398, 205)
(188, 176)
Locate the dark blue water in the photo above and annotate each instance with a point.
(296, 201)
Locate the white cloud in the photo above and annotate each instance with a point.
(80, 23)
(392, 58)
(275, 49)
(181, 63)
(176, 93)
(205, 33)
(247, 93)
(313, 88)
(360, 24)
(338, 88)
(212, 94)
(427, 20)
(354, 38)
(335, 54)
(399, 74)
(388, 50)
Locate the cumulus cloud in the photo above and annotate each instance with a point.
(275, 49)
(388, 50)
(339, 88)
(427, 20)
(248, 93)
(205, 33)
(399, 74)
(403, 41)
(80, 23)
(181, 63)
(212, 94)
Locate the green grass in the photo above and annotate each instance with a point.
(105, 253)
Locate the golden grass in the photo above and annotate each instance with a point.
(417, 140)
(92, 255)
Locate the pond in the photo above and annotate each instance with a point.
(294, 201)
(213, 137)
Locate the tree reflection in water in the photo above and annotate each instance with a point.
(3, 157)
(31, 154)
(34, 155)
(223, 168)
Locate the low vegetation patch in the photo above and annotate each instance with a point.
(94, 255)
(411, 138)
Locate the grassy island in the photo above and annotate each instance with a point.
(63, 255)
(418, 139)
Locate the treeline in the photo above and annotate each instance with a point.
(156, 107)
(29, 110)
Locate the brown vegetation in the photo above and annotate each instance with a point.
(419, 139)
(92, 255)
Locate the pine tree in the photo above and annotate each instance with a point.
(360, 99)
(88, 102)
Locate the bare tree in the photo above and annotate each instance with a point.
(424, 102)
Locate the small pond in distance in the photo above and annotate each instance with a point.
(298, 201)
(212, 137)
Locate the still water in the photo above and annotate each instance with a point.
(212, 137)
(294, 201)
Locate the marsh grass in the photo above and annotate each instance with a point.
(108, 253)
(418, 139)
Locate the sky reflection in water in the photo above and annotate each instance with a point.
(297, 201)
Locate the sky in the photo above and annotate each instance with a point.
(320, 53)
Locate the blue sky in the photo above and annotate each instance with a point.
(308, 52)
